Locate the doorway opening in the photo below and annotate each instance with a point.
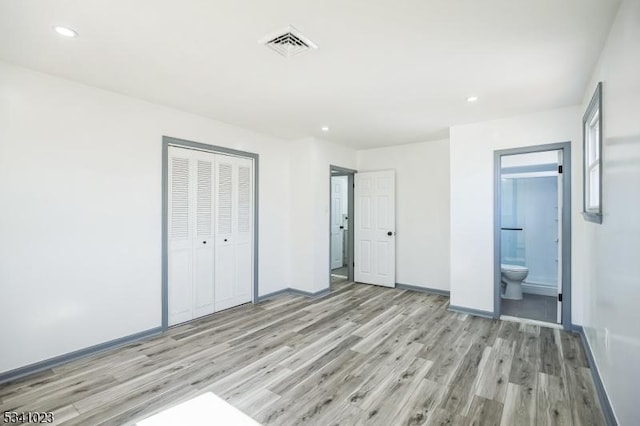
(341, 209)
(532, 234)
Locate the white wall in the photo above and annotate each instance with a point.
(422, 209)
(80, 189)
(310, 184)
(611, 251)
(472, 174)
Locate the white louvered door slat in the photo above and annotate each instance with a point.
(243, 230)
(225, 253)
(203, 245)
(180, 256)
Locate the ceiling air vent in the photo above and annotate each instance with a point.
(288, 42)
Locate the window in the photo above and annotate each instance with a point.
(592, 155)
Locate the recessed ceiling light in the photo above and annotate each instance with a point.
(472, 98)
(64, 31)
(325, 128)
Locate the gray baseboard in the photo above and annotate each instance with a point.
(607, 410)
(474, 312)
(272, 295)
(295, 292)
(308, 294)
(423, 289)
(62, 359)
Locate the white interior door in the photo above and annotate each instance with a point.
(336, 223)
(234, 231)
(203, 244)
(375, 246)
(559, 246)
(180, 236)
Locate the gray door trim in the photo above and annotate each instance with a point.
(182, 143)
(565, 147)
(342, 171)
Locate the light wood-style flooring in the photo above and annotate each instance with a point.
(362, 355)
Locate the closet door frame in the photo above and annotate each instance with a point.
(182, 143)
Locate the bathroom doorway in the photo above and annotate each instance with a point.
(341, 226)
(532, 234)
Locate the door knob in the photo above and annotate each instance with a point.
(389, 233)
(204, 242)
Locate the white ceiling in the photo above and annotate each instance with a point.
(386, 72)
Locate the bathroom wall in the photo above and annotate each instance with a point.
(531, 203)
(538, 205)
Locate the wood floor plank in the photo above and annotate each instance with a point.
(484, 412)
(461, 390)
(550, 359)
(572, 351)
(552, 402)
(422, 401)
(526, 360)
(495, 375)
(393, 394)
(519, 406)
(585, 406)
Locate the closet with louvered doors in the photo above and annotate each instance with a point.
(210, 233)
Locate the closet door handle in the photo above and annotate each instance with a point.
(225, 240)
(389, 233)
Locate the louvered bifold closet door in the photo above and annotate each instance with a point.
(233, 228)
(244, 232)
(203, 244)
(180, 235)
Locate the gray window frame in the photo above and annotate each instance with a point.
(595, 105)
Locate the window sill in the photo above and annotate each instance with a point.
(592, 217)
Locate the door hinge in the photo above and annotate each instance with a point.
(559, 297)
(354, 263)
(560, 169)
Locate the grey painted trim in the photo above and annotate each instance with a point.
(596, 100)
(423, 289)
(62, 359)
(294, 292)
(182, 143)
(474, 312)
(272, 295)
(605, 403)
(566, 223)
(530, 169)
(350, 212)
(342, 170)
(165, 232)
(318, 293)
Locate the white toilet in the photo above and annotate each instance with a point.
(512, 277)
